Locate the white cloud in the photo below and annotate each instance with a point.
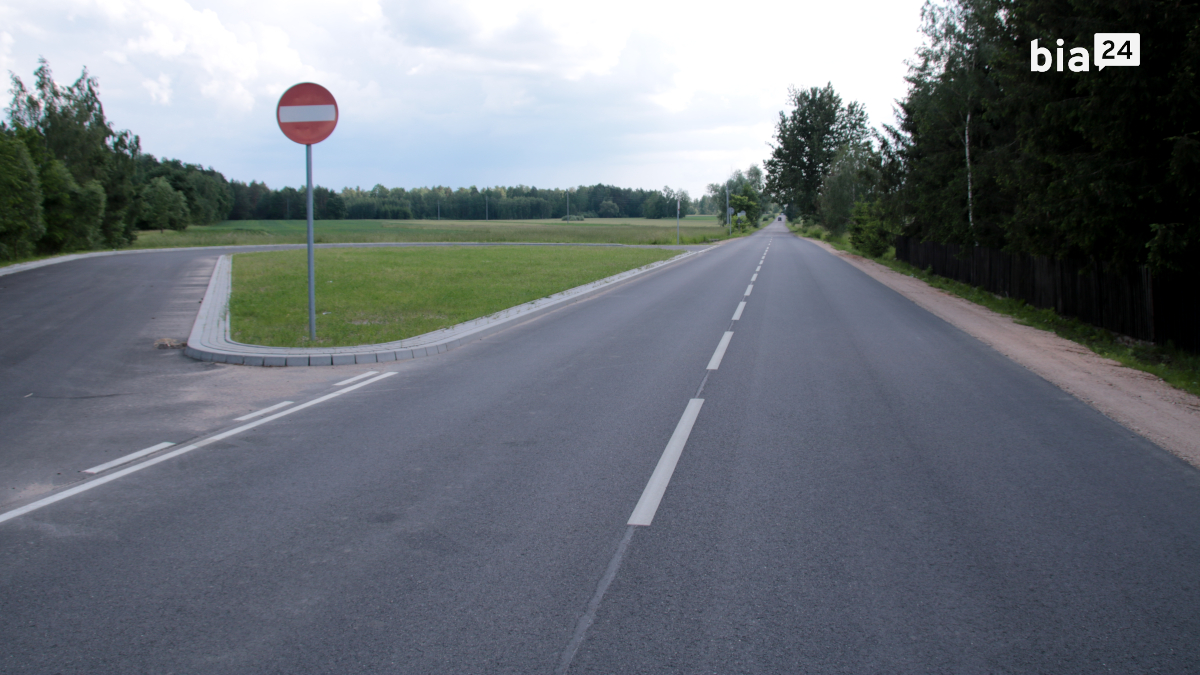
(467, 92)
(160, 89)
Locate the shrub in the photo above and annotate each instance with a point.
(868, 233)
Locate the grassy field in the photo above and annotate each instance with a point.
(693, 230)
(1178, 368)
(368, 296)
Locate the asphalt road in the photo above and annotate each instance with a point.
(864, 489)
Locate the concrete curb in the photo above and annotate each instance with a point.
(210, 341)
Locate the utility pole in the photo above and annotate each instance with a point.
(728, 220)
(676, 220)
(485, 206)
(568, 206)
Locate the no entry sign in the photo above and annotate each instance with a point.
(307, 113)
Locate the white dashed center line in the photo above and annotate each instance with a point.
(647, 506)
(715, 361)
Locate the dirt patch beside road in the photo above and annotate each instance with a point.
(1139, 401)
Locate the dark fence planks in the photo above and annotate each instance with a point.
(1160, 308)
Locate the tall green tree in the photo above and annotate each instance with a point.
(73, 213)
(21, 221)
(807, 141)
(852, 178)
(1082, 163)
(1108, 159)
(67, 124)
(163, 207)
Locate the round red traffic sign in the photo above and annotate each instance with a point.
(307, 113)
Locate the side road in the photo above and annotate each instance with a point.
(81, 379)
(1138, 401)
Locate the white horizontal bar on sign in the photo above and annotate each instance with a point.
(307, 113)
(128, 458)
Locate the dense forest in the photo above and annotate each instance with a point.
(1078, 162)
(258, 202)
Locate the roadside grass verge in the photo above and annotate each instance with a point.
(692, 230)
(1179, 368)
(33, 258)
(369, 296)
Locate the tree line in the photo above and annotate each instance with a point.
(255, 201)
(1082, 163)
(69, 181)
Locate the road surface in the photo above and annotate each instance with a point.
(849, 484)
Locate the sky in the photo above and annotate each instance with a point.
(526, 92)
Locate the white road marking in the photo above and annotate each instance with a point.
(715, 361)
(84, 487)
(643, 513)
(356, 378)
(128, 458)
(749, 288)
(738, 314)
(264, 411)
(755, 277)
(759, 269)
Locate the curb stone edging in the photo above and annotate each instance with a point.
(210, 341)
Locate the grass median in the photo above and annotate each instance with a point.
(374, 295)
(692, 230)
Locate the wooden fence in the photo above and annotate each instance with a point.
(1160, 308)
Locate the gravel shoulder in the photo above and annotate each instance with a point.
(1138, 401)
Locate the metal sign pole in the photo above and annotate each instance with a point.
(312, 284)
(677, 221)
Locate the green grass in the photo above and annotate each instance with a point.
(1179, 368)
(369, 296)
(18, 261)
(693, 230)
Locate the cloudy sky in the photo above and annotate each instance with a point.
(459, 93)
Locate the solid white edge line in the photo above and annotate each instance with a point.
(264, 411)
(647, 506)
(738, 314)
(175, 453)
(355, 378)
(715, 361)
(128, 458)
(749, 288)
